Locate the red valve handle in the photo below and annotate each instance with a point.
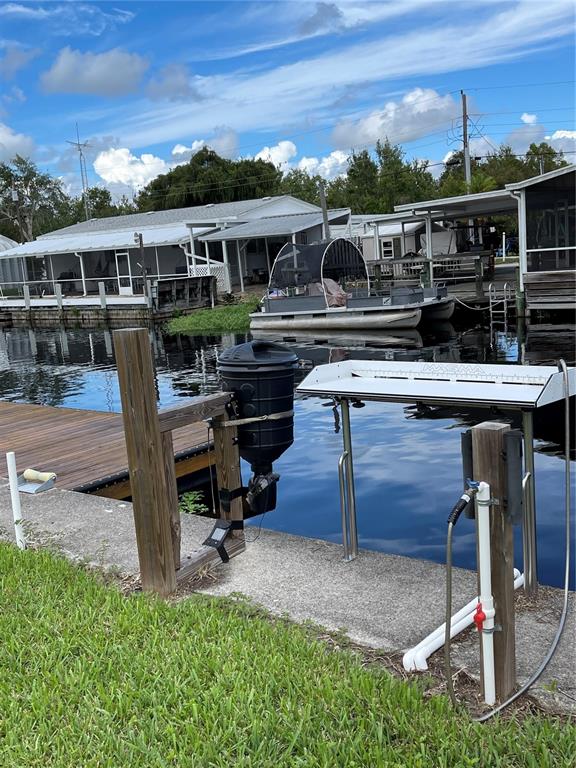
(479, 617)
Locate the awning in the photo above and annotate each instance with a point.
(84, 242)
(275, 226)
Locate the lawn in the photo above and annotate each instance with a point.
(224, 318)
(92, 679)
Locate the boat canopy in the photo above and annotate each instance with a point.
(303, 266)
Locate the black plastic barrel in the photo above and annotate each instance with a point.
(261, 375)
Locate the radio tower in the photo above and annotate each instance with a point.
(81, 146)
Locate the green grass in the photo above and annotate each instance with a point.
(226, 318)
(92, 679)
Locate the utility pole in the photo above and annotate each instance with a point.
(322, 196)
(466, 145)
(80, 146)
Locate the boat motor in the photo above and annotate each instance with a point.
(260, 374)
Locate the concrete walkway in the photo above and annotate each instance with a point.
(383, 601)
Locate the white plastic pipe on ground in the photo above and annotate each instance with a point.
(486, 600)
(15, 497)
(416, 659)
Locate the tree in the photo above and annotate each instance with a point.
(401, 182)
(30, 201)
(209, 178)
(299, 183)
(100, 205)
(542, 158)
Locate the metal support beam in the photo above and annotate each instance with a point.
(429, 248)
(82, 273)
(350, 534)
(529, 521)
(522, 254)
(240, 269)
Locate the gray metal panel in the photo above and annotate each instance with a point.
(201, 213)
(272, 226)
(295, 304)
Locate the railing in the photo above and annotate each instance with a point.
(553, 259)
(448, 269)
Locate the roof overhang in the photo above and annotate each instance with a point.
(86, 242)
(522, 387)
(275, 226)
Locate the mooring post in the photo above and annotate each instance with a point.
(151, 497)
(102, 294)
(227, 460)
(489, 465)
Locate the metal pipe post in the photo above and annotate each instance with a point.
(529, 521)
(347, 437)
(344, 505)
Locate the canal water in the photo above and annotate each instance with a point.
(407, 460)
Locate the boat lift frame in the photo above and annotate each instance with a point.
(510, 387)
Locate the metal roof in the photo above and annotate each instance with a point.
(544, 177)
(83, 242)
(203, 214)
(6, 244)
(497, 201)
(508, 386)
(271, 226)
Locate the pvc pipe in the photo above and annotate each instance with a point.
(486, 600)
(15, 497)
(529, 515)
(415, 659)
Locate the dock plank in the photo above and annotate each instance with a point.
(82, 447)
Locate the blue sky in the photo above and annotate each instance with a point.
(300, 82)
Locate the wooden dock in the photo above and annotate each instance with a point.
(86, 449)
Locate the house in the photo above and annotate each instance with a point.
(107, 250)
(10, 270)
(546, 215)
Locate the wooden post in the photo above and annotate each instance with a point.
(489, 465)
(151, 497)
(26, 292)
(227, 460)
(102, 294)
(172, 490)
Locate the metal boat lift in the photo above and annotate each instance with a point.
(510, 387)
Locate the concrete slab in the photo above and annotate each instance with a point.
(384, 601)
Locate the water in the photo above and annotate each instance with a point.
(407, 461)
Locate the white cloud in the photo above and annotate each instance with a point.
(120, 166)
(224, 141)
(12, 144)
(68, 19)
(418, 113)
(184, 153)
(310, 86)
(112, 73)
(529, 119)
(521, 138)
(173, 84)
(329, 167)
(280, 154)
(564, 141)
(14, 95)
(15, 57)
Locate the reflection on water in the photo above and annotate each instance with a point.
(407, 460)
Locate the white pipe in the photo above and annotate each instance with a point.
(503, 246)
(415, 659)
(15, 496)
(486, 601)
